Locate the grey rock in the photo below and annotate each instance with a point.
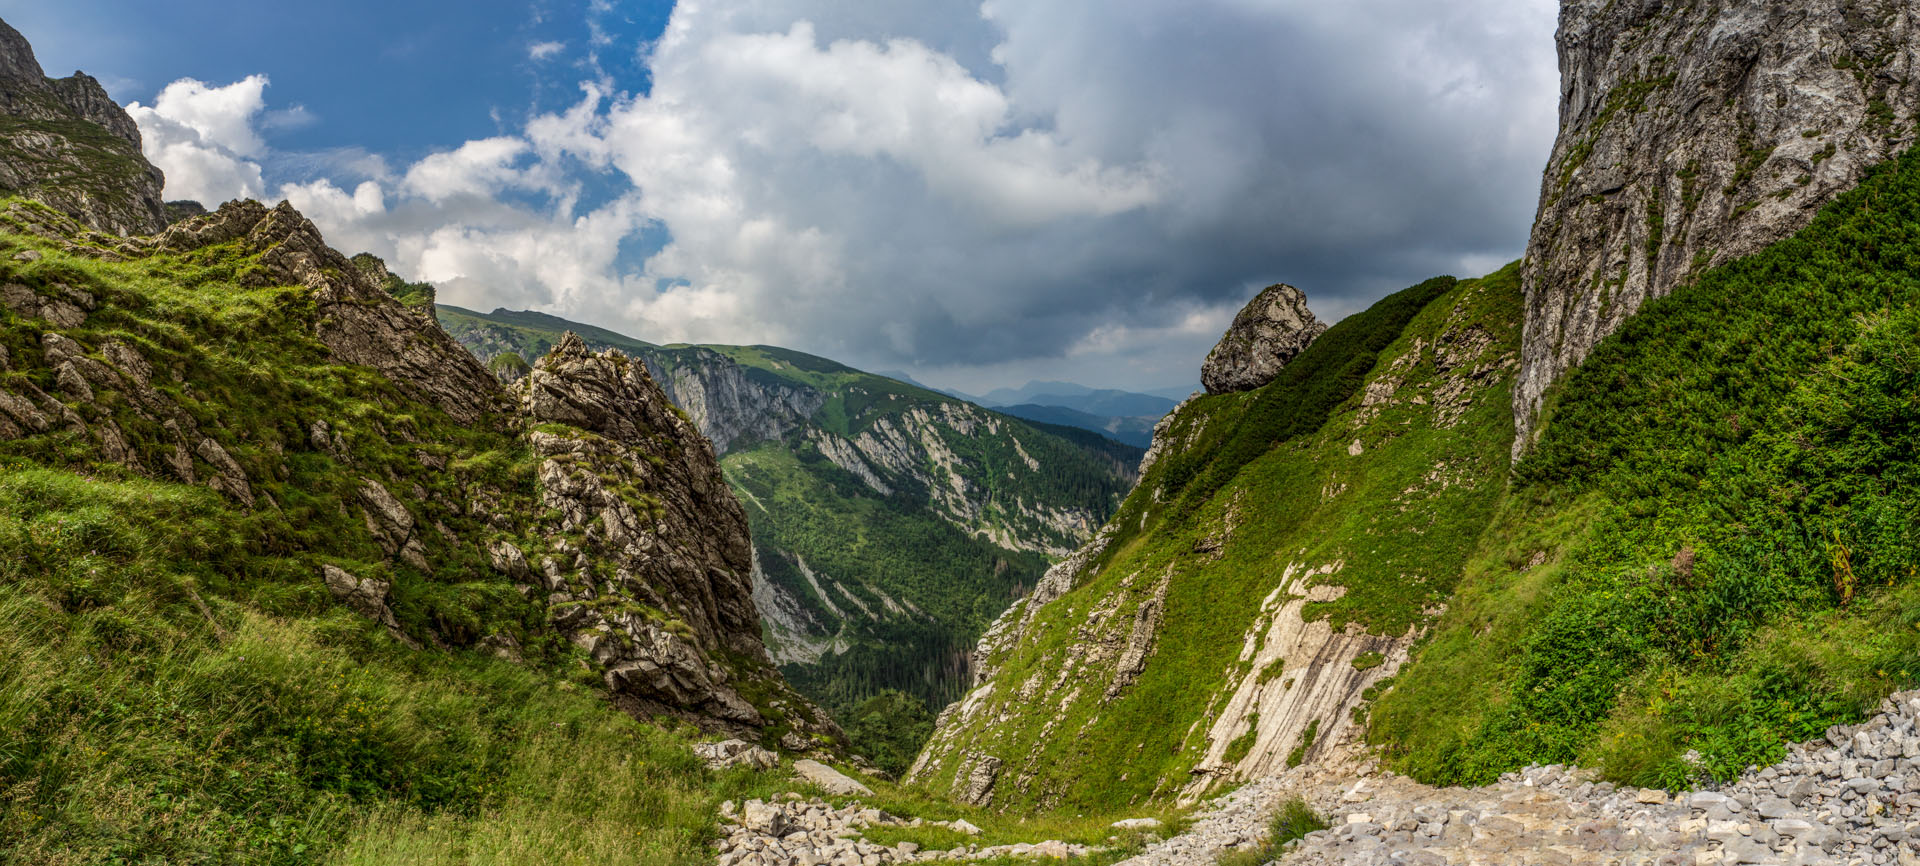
(979, 781)
(38, 158)
(767, 819)
(366, 597)
(829, 779)
(1269, 331)
(736, 753)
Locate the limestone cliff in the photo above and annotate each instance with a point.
(729, 404)
(66, 143)
(1693, 133)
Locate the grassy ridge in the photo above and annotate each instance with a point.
(1713, 545)
(1253, 484)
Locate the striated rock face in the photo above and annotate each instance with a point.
(66, 143)
(1269, 331)
(641, 505)
(1692, 134)
(728, 405)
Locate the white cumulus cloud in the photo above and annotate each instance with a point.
(981, 192)
(204, 138)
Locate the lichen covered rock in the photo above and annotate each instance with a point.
(1269, 331)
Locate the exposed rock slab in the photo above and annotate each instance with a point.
(829, 779)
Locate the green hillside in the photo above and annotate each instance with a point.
(1713, 546)
(1710, 552)
(1259, 495)
(181, 685)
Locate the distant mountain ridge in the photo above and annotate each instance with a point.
(1124, 416)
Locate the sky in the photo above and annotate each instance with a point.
(975, 193)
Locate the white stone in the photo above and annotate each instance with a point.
(829, 779)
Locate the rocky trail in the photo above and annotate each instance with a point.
(1850, 798)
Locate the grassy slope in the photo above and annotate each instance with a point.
(1713, 546)
(1274, 455)
(181, 687)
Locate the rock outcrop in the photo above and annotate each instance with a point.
(1692, 134)
(358, 321)
(1270, 330)
(618, 525)
(642, 515)
(66, 143)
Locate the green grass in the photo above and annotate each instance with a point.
(1723, 506)
(181, 687)
(1294, 820)
(145, 717)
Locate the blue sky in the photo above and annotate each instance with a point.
(396, 78)
(976, 192)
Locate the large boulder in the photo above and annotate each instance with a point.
(1270, 330)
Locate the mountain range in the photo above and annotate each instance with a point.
(891, 523)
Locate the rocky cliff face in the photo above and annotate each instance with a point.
(66, 143)
(1695, 133)
(1267, 333)
(730, 406)
(646, 518)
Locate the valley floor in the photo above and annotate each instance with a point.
(1851, 798)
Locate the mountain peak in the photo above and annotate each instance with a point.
(55, 151)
